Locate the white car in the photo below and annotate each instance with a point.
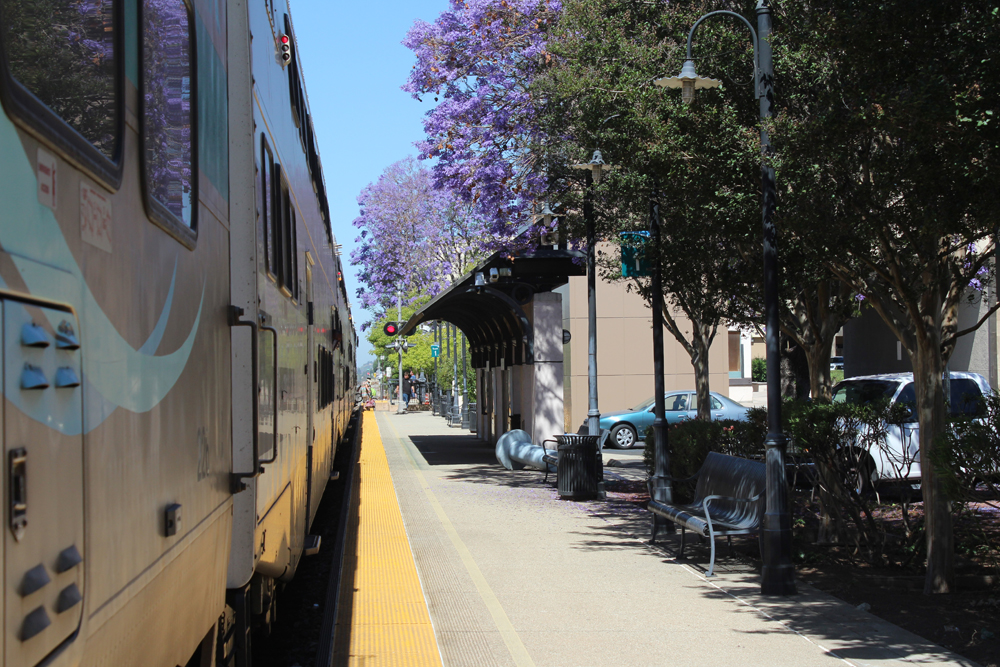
(899, 459)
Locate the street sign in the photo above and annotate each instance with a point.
(435, 350)
(634, 262)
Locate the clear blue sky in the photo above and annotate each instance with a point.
(354, 64)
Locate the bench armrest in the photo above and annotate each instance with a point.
(708, 516)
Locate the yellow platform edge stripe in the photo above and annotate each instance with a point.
(382, 603)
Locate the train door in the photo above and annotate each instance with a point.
(43, 547)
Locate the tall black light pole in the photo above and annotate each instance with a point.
(465, 387)
(778, 573)
(435, 392)
(662, 488)
(454, 375)
(594, 170)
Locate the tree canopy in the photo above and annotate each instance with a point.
(414, 238)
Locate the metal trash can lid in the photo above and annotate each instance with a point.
(577, 440)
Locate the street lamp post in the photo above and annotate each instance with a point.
(662, 488)
(434, 391)
(454, 376)
(594, 170)
(466, 419)
(777, 573)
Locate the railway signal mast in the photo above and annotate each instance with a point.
(400, 345)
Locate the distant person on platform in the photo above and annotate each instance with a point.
(407, 389)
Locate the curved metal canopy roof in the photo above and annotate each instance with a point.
(486, 303)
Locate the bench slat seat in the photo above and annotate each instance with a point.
(692, 517)
(728, 500)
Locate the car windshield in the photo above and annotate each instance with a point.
(860, 392)
(645, 405)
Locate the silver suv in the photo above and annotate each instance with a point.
(899, 459)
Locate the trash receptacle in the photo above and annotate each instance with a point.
(581, 467)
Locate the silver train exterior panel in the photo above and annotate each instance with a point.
(163, 226)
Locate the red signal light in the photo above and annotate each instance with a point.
(391, 329)
(285, 49)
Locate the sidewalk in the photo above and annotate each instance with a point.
(513, 575)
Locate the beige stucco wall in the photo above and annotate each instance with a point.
(625, 352)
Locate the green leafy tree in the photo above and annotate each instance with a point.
(700, 164)
(888, 142)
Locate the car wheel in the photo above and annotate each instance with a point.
(858, 469)
(623, 436)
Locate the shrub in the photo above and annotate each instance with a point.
(968, 457)
(758, 369)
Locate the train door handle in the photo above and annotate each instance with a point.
(274, 424)
(18, 492)
(236, 483)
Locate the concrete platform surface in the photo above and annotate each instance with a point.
(513, 575)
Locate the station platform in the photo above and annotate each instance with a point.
(453, 560)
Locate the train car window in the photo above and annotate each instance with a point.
(267, 217)
(285, 226)
(325, 393)
(63, 76)
(277, 222)
(168, 112)
(293, 256)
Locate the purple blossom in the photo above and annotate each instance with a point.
(413, 238)
(477, 61)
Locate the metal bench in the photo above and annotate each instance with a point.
(728, 500)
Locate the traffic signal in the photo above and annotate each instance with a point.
(285, 49)
(392, 328)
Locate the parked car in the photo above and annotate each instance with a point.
(836, 363)
(899, 459)
(628, 427)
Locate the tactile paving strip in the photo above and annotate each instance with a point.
(384, 618)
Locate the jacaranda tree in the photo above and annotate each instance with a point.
(477, 61)
(414, 238)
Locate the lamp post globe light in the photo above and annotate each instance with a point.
(594, 171)
(547, 235)
(777, 573)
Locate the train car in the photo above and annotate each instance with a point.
(178, 349)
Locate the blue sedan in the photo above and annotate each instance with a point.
(629, 426)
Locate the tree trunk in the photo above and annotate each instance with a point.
(697, 348)
(794, 369)
(818, 358)
(699, 360)
(927, 370)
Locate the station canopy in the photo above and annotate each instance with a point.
(487, 303)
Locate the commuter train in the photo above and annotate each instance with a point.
(178, 348)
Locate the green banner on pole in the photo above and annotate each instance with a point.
(634, 262)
